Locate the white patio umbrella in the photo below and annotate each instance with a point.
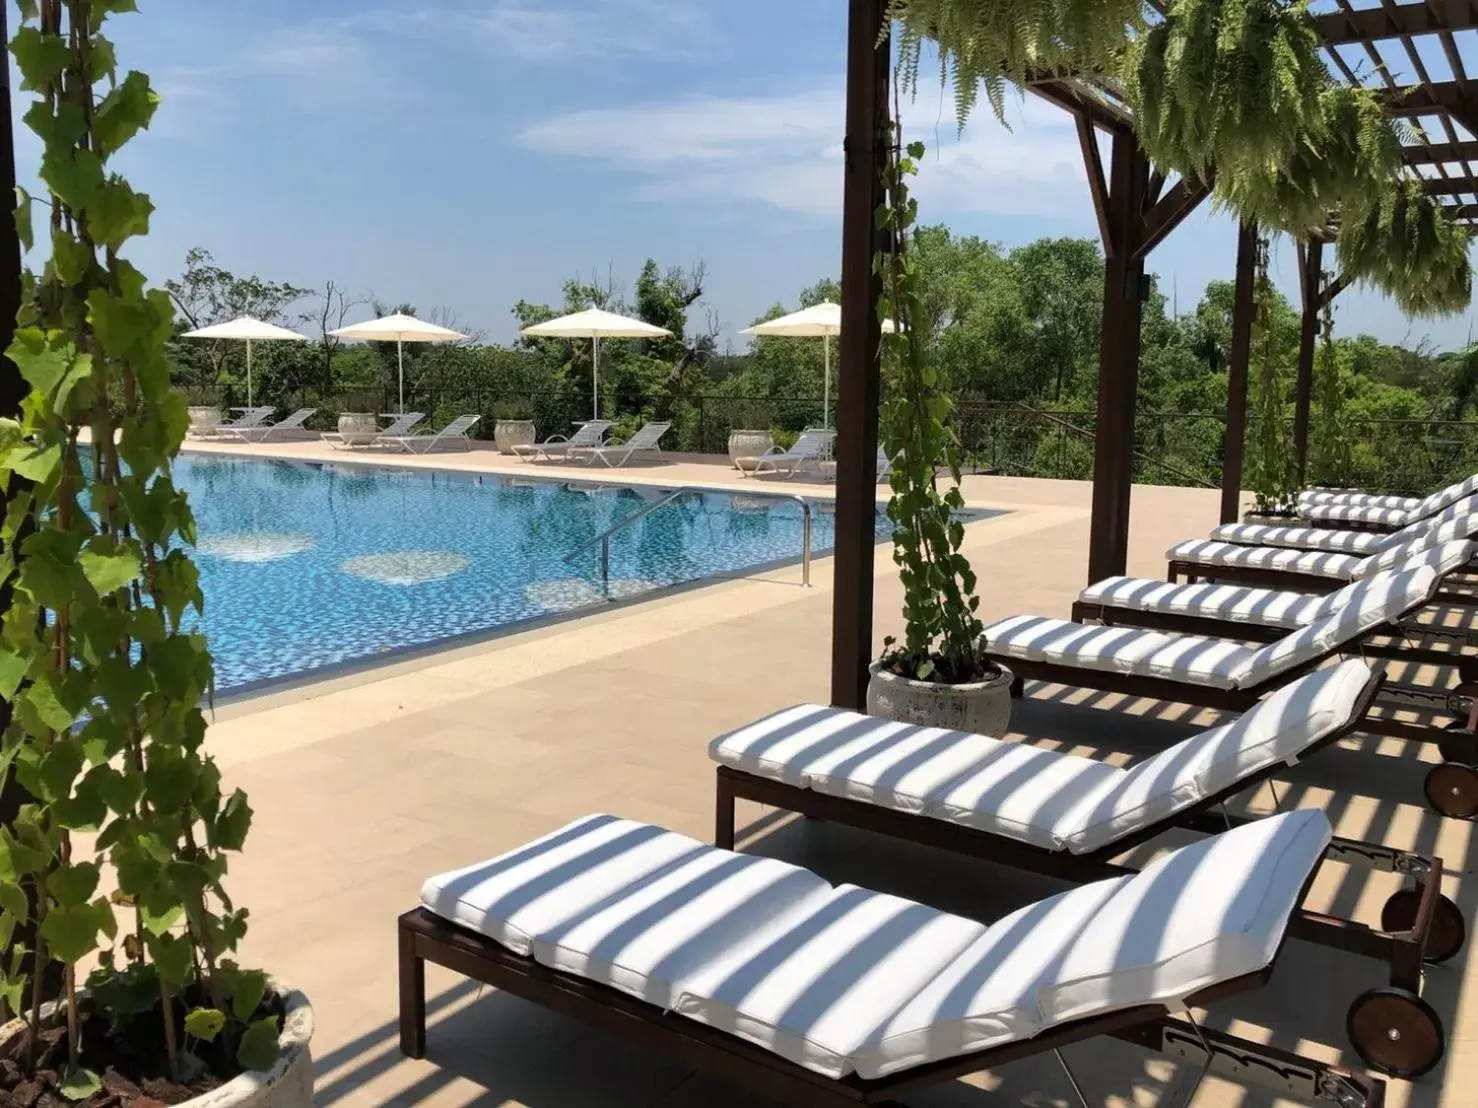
(248, 330)
(596, 324)
(818, 321)
(399, 329)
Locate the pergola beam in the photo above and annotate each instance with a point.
(1395, 20)
(1450, 186)
(1168, 212)
(1452, 98)
(1440, 153)
(1073, 97)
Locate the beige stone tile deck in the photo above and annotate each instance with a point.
(364, 785)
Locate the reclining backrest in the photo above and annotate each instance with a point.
(1381, 599)
(1444, 497)
(1442, 554)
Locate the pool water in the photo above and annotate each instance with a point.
(311, 565)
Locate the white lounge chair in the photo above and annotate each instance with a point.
(645, 441)
(1314, 570)
(825, 995)
(266, 431)
(1068, 816)
(248, 419)
(811, 448)
(401, 425)
(1458, 520)
(589, 433)
(1385, 513)
(453, 434)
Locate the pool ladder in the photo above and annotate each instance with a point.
(604, 540)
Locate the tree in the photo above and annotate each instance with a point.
(206, 294)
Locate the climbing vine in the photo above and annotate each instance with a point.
(122, 857)
(1330, 458)
(1270, 468)
(942, 639)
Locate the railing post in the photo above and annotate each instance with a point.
(605, 567)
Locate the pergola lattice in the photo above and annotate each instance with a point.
(1412, 52)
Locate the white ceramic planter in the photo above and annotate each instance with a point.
(983, 707)
(358, 424)
(288, 1084)
(748, 444)
(508, 433)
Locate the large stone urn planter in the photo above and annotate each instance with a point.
(358, 424)
(288, 1084)
(982, 707)
(508, 433)
(204, 420)
(748, 444)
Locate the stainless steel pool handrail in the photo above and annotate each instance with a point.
(604, 540)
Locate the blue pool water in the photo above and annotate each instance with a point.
(310, 565)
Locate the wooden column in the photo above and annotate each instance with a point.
(1243, 310)
(1310, 280)
(858, 380)
(1118, 360)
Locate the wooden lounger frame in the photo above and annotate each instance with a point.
(425, 937)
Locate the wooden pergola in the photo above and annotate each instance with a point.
(1137, 205)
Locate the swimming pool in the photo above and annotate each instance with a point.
(308, 565)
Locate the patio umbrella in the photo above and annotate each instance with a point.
(819, 320)
(248, 330)
(399, 329)
(596, 324)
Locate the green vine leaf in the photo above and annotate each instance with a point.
(124, 112)
(39, 57)
(205, 1024)
(71, 933)
(258, 1049)
(73, 885)
(248, 993)
(109, 572)
(79, 1084)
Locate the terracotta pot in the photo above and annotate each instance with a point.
(983, 707)
(748, 444)
(508, 433)
(288, 1084)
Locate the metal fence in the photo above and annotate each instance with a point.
(1170, 448)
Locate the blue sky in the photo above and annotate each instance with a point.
(465, 153)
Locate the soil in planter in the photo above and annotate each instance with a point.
(131, 1062)
(904, 665)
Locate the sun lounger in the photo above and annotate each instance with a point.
(1219, 673)
(1317, 570)
(249, 418)
(828, 996)
(402, 425)
(265, 432)
(1459, 520)
(811, 448)
(645, 441)
(1067, 816)
(1381, 513)
(589, 433)
(453, 434)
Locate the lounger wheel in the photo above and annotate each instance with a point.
(1452, 790)
(1446, 933)
(1395, 1031)
(1458, 744)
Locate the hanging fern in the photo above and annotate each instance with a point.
(1270, 473)
(989, 44)
(1230, 86)
(1405, 246)
(1330, 458)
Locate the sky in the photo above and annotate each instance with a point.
(465, 154)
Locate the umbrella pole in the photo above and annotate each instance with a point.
(248, 373)
(826, 382)
(595, 377)
(400, 371)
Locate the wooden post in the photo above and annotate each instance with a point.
(1118, 360)
(1310, 279)
(1243, 310)
(858, 381)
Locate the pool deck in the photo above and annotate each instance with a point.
(364, 785)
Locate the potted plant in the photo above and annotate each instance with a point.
(515, 425)
(120, 858)
(938, 675)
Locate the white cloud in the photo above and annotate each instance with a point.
(785, 152)
(536, 31)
